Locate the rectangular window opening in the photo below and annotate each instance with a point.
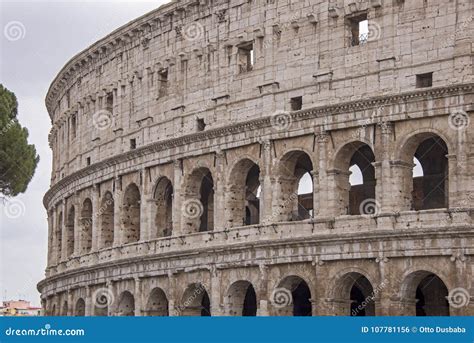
(133, 144)
(359, 27)
(163, 77)
(246, 55)
(296, 103)
(201, 125)
(424, 80)
(88, 161)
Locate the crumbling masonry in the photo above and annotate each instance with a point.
(206, 159)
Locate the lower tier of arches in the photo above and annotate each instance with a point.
(414, 286)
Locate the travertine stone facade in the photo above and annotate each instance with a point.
(181, 140)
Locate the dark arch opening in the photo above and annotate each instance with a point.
(157, 304)
(362, 297)
(300, 303)
(207, 200)
(126, 305)
(430, 190)
(363, 158)
(432, 297)
(163, 197)
(80, 310)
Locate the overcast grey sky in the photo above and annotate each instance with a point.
(49, 34)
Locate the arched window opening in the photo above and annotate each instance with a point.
(163, 197)
(106, 237)
(86, 223)
(131, 215)
(430, 190)
(64, 309)
(296, 188)
(80, 309)
(157, 304)
(195, 301)
(126, 305)
(71, 217)
(241, 299)
(207, 200)
(362, 297)
(364, 189)
(432, 297)
(252, 196)
(300, 302)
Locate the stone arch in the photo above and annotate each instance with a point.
(351, 199)
(70, 224)
(157, 304)
(126, 304)
(80, 308)
(198, 207)
(131, 214)
(107, 219)
(86, 226)
(163, 198)
(241, 299)
(353, 294)
(431, 190)
(291, 205)
(195, 301)
(64, 309)
(292, 297)
(424, 293)
(242, 195)
(59, 237)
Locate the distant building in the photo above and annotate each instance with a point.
(19, 308)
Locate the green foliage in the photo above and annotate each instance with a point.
(18, 159)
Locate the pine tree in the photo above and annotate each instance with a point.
(18, 159)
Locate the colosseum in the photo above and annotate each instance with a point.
(274, 157)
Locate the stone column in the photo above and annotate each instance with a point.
(219, 194)
(316, 193)
(77, 225)
(382, 290)
(215, 296)
(324, 191)
(383, 188)
(50, 237)
(138, 297)
(145, 207)
(172, 301)
(114, 300)
(70, 305)
(96, 214)
(265, 182)
(401, 180)
(117, 212)
(89, 303)
(262, 292)
(177, 198)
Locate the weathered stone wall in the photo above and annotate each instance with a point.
(176, 165)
